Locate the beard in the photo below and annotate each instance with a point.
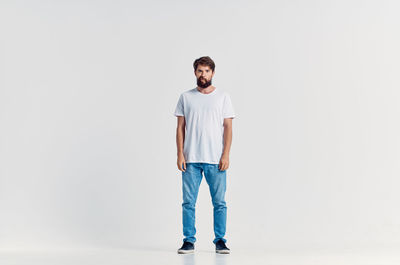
(202, 84)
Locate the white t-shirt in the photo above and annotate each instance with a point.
(204, 117)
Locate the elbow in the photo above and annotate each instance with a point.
(228, 127)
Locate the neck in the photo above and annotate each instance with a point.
(206, 90)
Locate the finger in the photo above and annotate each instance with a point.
(184, 166)
(180, 166)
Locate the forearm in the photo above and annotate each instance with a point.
(180, 138)
(227, 140)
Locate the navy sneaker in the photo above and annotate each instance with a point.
(187, 247)
(221, 248)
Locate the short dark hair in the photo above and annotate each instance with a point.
(205, 60)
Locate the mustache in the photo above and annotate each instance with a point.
(203, 82)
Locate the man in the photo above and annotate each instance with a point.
(203, 139)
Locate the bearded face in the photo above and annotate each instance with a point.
(203, 82)
(204, 75)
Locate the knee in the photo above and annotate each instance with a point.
(219, 204)
(189, 204)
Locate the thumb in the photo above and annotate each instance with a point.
(184, 165)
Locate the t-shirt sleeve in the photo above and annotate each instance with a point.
(228, 111)
(179, 107)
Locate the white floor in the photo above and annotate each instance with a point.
(201, 256)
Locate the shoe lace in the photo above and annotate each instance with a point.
(186, 244)
(221, 244)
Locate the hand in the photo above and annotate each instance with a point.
(181, 161)
(224, 163)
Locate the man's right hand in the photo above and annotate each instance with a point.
(181, 161)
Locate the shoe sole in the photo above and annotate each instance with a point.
(185, 251)
(225, 251)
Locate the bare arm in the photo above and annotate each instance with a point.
(224, 162)
(180, 138)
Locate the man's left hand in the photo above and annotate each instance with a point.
(223, 163)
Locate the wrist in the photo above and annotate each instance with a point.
(225, 155)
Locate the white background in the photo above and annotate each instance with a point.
(87, 136)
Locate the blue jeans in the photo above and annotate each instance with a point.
(191, 179)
